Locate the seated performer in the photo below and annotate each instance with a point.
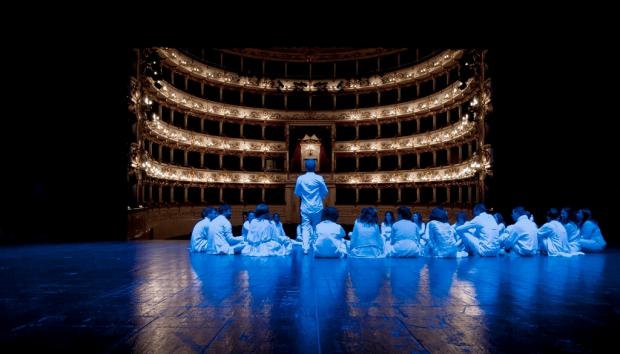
(200, 233)
(481, 234)
(246, 224)
(329, 236)
(366, 239)
(567, 218)
(552, 236)
(263, 237)
(591, 237)
(442, 237)
(405, 238)
(522, 239)
(221, 240)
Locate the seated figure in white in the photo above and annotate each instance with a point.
(366, 241)
(246, 225)
(523, 237)
(480, 234)
(263, 238)
(386, 229)
(405, 240)
(200, 233)
(221, 239)
(442, 237)
(592, 240)
(552, 237)
(329, 236)
(567, 218)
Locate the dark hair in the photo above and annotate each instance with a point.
(330, 213)
(587, 214)
(386, 214)
(222, 208)
(553, 214)
(520, 211)
(369, 216)
(262, 211)
(570, 214)
(404, 212)
(498, 217)
(419, 217)
(439, 214)
(461, 215)
(205, 212)
(480, 208)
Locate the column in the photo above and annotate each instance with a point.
(241, 97)
(285, 102)
(334, 102)
(417, 89)
(172, 117)
(160, 158)
(469, 199)
(448, 116)
(202, 125)
(202, 194)
(241, 162)
(434, 84)
(285, 70)
(398, 154)
(448, 194)
(151, 148)
(186, 83)
(460, 200)
(221, 161)
(434, 195)
(241, 129)
(186, 195)
(378, 195)
(221, 195)
(160, 194)
(241, 195)
(150, 193)
(399, 128)
(160, 112)
(399, 195)
(185, 152)
(448, 78)
(469, 150)
(448, 155)
(460, 111)
(263, 131)
(357, 163)
(171, 155)
(417, 194)
(263, 97)
(185, 121)
(171, 194)
(262, 194)
(221, 94)
(398, 92)
(418, 158)
(378, 98)
(357, 131)
(262, 163)
(357, 100)
(202, 159)
(378, 162)
(434, 121)
(221, 127)
(434, 158)
(417, 123)
(357, 195)
(202, 89)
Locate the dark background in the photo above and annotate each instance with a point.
(67, 136)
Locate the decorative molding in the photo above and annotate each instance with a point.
(441, 136)
(427, 69)
(171, 136)
(425, 105)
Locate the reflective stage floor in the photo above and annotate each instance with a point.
(153, 296)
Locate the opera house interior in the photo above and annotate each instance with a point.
(123, 159)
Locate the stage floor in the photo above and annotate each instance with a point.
(153, 296)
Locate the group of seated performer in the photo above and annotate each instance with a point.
(564, 234)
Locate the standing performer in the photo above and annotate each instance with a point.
(311, 189)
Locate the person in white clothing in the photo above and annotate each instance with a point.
(263, 237)
(386, 228)
(200, 233)
(366, 239)
(481, 234)
(405, 238)
(246, 224)
(221, 239)
(552, 236)
(523, 237)
(592, 240)
(329, 236)
(567, 218)
(311, 188)
(442, 239)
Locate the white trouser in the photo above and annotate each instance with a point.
(308, 227)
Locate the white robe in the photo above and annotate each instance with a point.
(221, 240)
(442, 240)
(200, 236)
(263, 240)
(405, 240)
(366, 241)
(481, 235)
(329, 242)
(386, 232)
(574, 235)
(591, 237)
(553, 239)
(523, 238)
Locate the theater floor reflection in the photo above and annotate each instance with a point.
(156, 297)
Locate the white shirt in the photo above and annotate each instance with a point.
(200, 235)
(312, 189)
(220, 236)
(523, 237)
(404, 230)
(554, 236)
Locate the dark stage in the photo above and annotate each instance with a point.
(154, 296)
